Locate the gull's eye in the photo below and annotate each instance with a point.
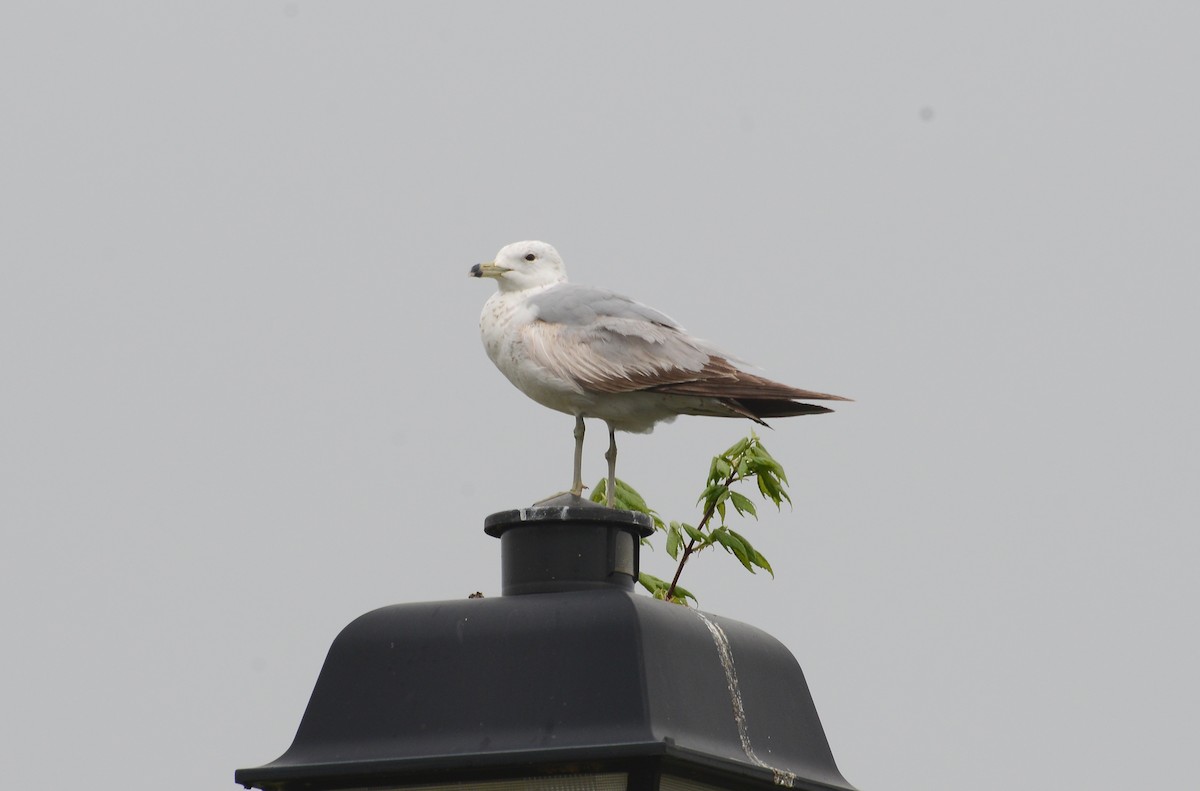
(530, 257)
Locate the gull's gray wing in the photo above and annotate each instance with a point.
(606, 343)
(567, 303)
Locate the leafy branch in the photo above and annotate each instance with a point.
(746, 460)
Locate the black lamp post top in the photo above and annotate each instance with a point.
(568, 544)
(583, 674)
(568, 509)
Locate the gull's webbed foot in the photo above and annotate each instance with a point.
(564, 500)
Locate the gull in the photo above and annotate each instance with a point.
(591, 353)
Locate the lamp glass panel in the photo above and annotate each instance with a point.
(612, 781)
(672, 783)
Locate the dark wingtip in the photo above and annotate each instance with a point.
(808, 394)
(758, 408)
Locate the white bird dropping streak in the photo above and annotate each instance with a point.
(591, 353)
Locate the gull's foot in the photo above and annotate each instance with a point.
(565, 499)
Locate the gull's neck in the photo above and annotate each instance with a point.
(513, 289)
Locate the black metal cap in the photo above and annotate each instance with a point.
(588, 677)
(555, 548)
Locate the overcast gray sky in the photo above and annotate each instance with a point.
(243, 396)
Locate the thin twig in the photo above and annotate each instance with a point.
(690, 548)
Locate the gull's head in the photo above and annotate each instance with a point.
(523, 265)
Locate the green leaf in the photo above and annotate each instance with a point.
(760, 560)
(734, 545)
(657, 587)
(713, 494)
(743, 540)
(626, 498)
(743, 504)
(682, 593)
(719, 470)
(723, 468)
(738, 447)
(628, 495)
(762, 487)
(674, 539)
(769, 486)
(752, 554)
(765, 459)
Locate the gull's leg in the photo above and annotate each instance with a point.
(577, 482)
(611, 456)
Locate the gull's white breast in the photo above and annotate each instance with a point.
(504, 314)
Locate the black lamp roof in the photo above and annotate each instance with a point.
(414, 690)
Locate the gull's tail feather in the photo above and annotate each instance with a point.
(730, 384)
(758, 408)
(749, 396)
